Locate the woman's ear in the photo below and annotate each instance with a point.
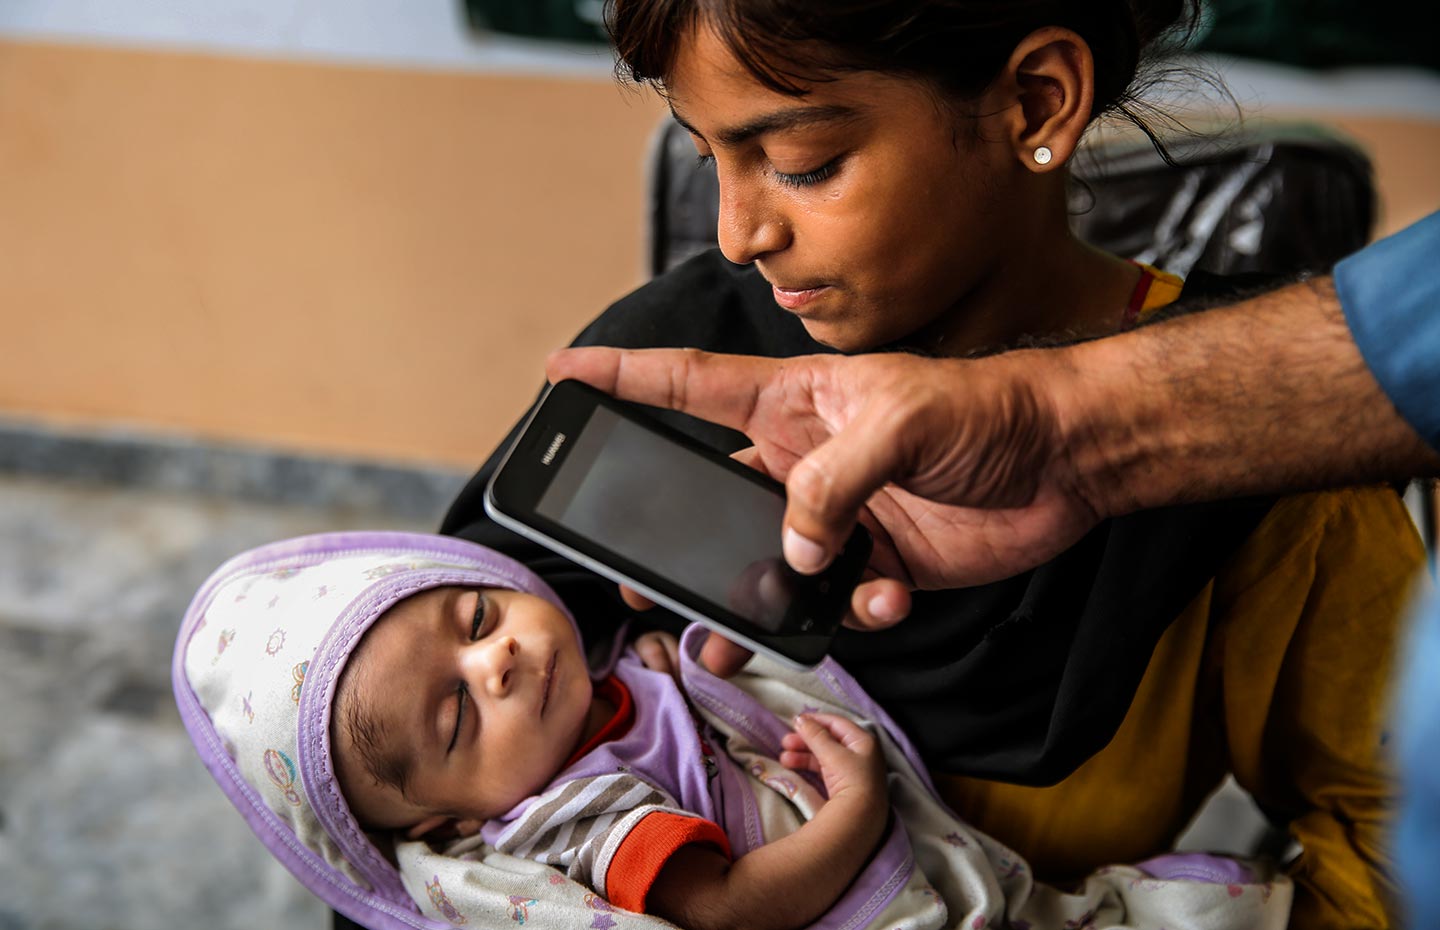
(1053, 77)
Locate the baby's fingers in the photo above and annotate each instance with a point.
(837, 744)
(834, 730)
(799, 760)
(793, 741)
(795, 754)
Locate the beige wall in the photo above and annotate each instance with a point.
(315, 257)
(1406, 156)
(336, 259)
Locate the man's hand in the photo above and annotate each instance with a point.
(972, 471)
(957, 467)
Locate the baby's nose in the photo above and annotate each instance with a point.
(492, 664)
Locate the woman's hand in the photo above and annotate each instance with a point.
(659, 652)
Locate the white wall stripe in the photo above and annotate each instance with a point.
(421, 34)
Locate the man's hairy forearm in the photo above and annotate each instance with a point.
(1268, 395)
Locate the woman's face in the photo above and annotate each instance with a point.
(869, 207)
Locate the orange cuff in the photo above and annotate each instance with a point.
(646, 849)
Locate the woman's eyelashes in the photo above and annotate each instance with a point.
(808, 178)
(798, 179)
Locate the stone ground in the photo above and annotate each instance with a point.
(107, 819)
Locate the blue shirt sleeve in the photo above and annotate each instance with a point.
(1390, 293)
(1417, 838)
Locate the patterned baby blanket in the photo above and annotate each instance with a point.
(931, 870)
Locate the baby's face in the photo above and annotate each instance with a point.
(477, 695)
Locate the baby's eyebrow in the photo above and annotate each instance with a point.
(395, 757)
(404, 768)
(386, 764)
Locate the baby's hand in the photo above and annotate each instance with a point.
(846, 755)
(659, 652)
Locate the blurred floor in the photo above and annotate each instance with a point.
(107, 818)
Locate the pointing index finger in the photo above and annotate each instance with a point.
(719, 388)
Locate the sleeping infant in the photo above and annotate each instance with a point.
(411, 725)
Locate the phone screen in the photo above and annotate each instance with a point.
(612, 488)
(678, 514)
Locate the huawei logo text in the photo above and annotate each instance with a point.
(555, 445)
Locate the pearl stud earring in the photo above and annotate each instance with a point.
(1043, 155)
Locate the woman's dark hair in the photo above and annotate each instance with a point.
(957, 45)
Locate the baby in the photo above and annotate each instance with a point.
(469, 709)
(390, 710)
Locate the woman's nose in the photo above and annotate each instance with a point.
(749, 226)
(489, 665)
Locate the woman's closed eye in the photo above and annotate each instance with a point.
(808, 178)
(791, 179)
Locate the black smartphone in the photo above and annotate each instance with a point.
(607, 485)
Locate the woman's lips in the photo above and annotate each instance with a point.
(795, 298)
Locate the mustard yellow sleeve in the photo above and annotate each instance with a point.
(1306, 621)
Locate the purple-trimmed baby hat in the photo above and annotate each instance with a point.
(259, 654)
